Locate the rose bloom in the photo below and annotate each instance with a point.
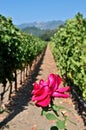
(41, 94)
(43, 91)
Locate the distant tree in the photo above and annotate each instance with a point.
(47, 35)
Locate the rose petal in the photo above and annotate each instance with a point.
(63, 89)
(44, 103)
(62, 95)
(43, 83)
(41, 95)
(59, 79)
(51, 79)
(54, 81)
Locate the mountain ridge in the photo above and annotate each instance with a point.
(43, 25)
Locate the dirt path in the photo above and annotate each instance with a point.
(25, 116)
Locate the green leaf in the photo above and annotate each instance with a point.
(50, 116)
(57, 108)
(61, 124)
(43, 112)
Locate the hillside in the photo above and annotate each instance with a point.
(43, 34)
(34, 31)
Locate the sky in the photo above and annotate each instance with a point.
(26, 11)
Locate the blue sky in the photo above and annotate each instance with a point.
(25, 11)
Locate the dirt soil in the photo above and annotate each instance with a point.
(24, 115)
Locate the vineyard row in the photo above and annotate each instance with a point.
(69, 49)
(17, 51)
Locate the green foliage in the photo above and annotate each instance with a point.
(17, 49)
(69, 49)
(50, 116)
(53, 112)
(61, 124)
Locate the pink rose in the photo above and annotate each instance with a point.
(45, 91)
(41, 94)
(54, 82)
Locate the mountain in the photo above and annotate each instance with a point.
(43, 34)
(34, 31)
(49, 25)
(43, 30)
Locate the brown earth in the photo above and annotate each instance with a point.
(26, 116)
